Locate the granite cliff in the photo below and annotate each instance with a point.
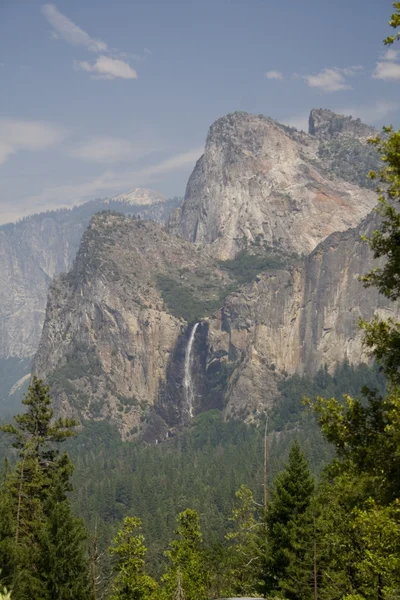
(32, 252)
(259, 179)
(112, 345)
(117, 329)
(35, 249)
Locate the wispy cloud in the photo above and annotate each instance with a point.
(103, 150)
(332, 80)
(171, 164)
(106, 67)
(274, 75)
(18, 135)
(372, 113)
(110, 63)
(112, 150)
(64, 28)
(110, 182)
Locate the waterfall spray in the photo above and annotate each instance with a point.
(187, 380)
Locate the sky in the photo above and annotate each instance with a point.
(98, 97)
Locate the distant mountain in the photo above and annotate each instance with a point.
(35, 249)
(139, 196)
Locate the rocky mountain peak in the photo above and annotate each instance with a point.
(258, 180)
(139, 196)
(325, 125)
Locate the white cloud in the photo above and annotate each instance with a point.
(105, 67)
(391, 54)
(65, 29)
(171, 164)
(387, 70)
(108, 68)
(274, 75)
(18, 135)
(332, 80)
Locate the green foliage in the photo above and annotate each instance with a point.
(196, 295)
(184, 302)
(42, 549)
(202, 467)
(244, 554)
(359, 501)
(395, 23)
(383, 336)
(185, 576)
(247, 265)
(291, 499)
(346, 379)
(131, 581)
(385, 240)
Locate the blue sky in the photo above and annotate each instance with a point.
(98, 97)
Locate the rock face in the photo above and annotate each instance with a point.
(110, 347)
(39, 247)
(113, 347)
(327, 125)
(297, 320)
(142, 305)
(258, 179)
(343, 147)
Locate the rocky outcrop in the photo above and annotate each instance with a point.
(343, 147)
(258, 179)
(39, 247)
(111, 348)
(327, 125)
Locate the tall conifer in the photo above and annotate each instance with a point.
(43, 542)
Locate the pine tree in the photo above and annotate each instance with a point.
(186, 573)
(244, 553)
(131, 581)
(44, 544)
(286, 514)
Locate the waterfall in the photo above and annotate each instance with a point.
(187, 380)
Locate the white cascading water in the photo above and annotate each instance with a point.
(187, 380)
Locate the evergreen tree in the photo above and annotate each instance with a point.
(131, 581)
(185, 576)
(361, 507)
(286, 514)
(42, 544)
(244, 554)
(383, 336)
